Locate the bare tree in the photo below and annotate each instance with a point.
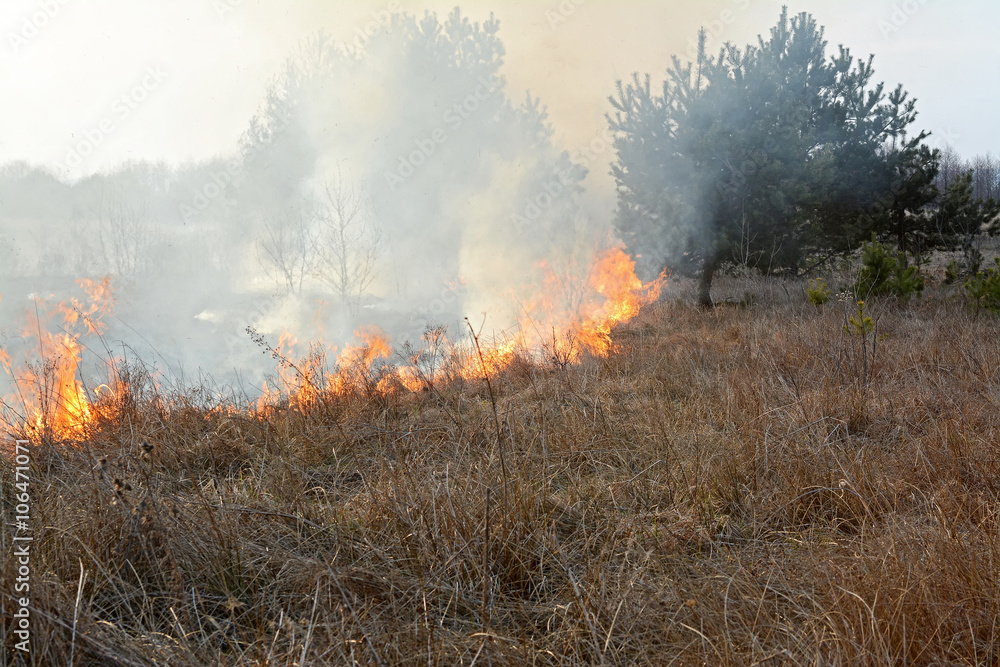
(985, 177)
(985, 173)
(117, 238)
(951, 166)
(350, 242)
(289, 244)
(126, 233)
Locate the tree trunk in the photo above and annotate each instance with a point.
(705, 285)
(901, 235)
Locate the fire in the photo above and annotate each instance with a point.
(304, 376)
(566, 323)
(374, 345)
(299, 374)
(52, 397)
(355, 364)
(564, 319)
(65, 406)
(563, 322)
(614, 279)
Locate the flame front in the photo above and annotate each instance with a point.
(70, 410)
(564, 319)
(615, 296)
(561, 321)
(52, 397)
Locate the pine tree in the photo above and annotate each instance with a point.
(960, 221)
(773, 155)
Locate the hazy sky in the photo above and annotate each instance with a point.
(179, 80)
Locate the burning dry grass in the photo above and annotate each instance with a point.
(729, 487)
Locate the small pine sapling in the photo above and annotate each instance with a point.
(984, 288)
(818, 292)
(883, 274)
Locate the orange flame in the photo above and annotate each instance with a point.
(301, 375)
(66, 408)
(564, 319)
(561, 320)
(495, 359)
(53, 398)
(613, 278)
(566, 323)
(304, 378)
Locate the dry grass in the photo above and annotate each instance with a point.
(731, 488)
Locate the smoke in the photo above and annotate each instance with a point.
(407, 146)
(461, 193)
(468, 195)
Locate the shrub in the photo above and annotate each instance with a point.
(818, 292)
(984, 288)
(882, 274)
(952, 272)
(967, 267)
(861, 323)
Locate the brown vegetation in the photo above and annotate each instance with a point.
(747, 485)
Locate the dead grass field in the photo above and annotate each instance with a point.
(743, 486)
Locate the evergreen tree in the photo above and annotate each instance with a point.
(773, 155)
(960, 221)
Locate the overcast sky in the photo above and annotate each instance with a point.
(178, 80)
